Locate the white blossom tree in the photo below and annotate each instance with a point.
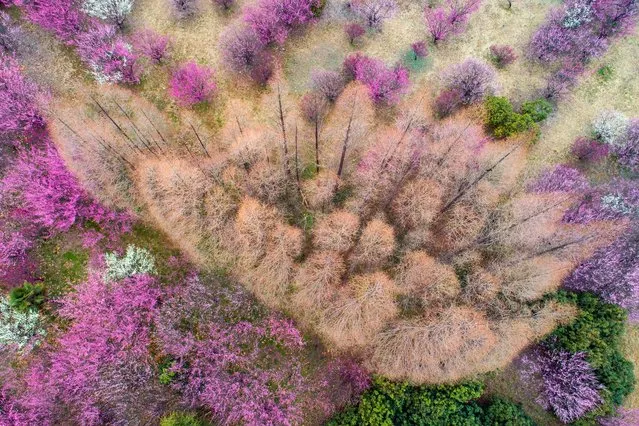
(109, 10)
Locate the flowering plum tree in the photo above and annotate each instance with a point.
(375, 12)
(449, 18)
(419, 49)
(110, 58)
(589, 150)
(104, 349)
(49, 196)
(272, 20)
(472, 79)
(566, 382)
(502, 55)
(62, 17)
(610, 127)
(354, 32)
(135, 261)
(240, 48)
(385, 84)
(560, 179)
(114, 11)
(152, 45)
(612, 273)
(192, 84)
(18, 100)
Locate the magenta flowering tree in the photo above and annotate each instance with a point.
(565, 381)
(152, 45)
(419, 49)
(460, 11)
(472, 79)
(14, 263)
(560, 178)
(438, 24)
(272, 20)
(110, 58)
(18, 100)
(579, 30)
(46, 194)
(612, 273)
(628, 151)
(192, 84)
(562, 80)
(62, 17)
(101, 361)
(385, 85)
(450, 18)
(589, 150)
(623, 417)
(244, 373)
(354, 31)
(614, 17)
(502, 55)
(616, 200)
(447, 102)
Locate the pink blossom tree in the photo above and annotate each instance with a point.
(565, 382)
(354, 31)
(502, 55)
(438, 24)
(242, 50)
(18, 100)
(62, 17)
(101, 361)
(589, 150)
(612, 273)
(472, 79)
(110, 58)
(450, 18)
(152, 45)
(272, 20)
(385, 84)
(192, 84)
(48, 195)
(561, 178)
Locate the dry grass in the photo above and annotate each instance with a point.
(591, 96)
(325, 45)
(630, 349)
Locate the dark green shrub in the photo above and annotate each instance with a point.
(389, 403)
(538, 110)
(597, 331)
(501, 412)
(180, 419)
(28, 296)
(502, 120)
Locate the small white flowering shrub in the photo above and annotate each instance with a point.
(135, 261)
(610, 127)
(17, 327)
(109, 10)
